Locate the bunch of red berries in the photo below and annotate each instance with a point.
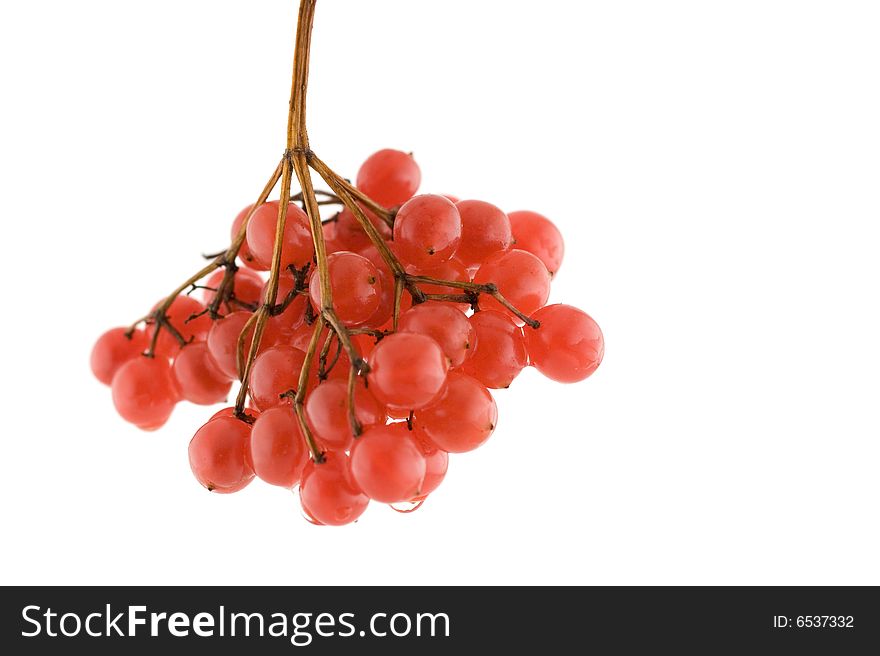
(449, 301)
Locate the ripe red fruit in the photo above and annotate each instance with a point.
(427, 230)
(275, 372)
(113, 349)
(461, 419)
(244, 252)
(285, 324)
(278, 450)
(350, 236)
(223, 342)
(520, 276)
(328, 492)
(217, 455)
(296, 247)
(538, 235)
(568, 346)
(447, 325)
(387, 464)
(389, 177)
(191, 320)
(485, 229)
(452, 270)
(384, 312)
(246, 288)
(355, 284)
(327, 412)
(144, 392)
(500, 351)
(198, 377)
(407, 370)
(436, 465)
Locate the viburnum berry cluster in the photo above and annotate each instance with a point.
(366, 352)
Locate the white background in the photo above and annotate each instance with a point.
(713, 166)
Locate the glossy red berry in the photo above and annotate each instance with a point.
(485, 230)
(387, 464)
(538, 235)
(389, 177)
(436, 465)
(244, 252)
(296, 248)
(217, 455)
(113, 349)
(278, 449)
(223, 342)
(447, 325)
(500, 351)
(461, 419)
(246, 289)
(189, 318)
(328, 492)
(144, 392)
(274, 373)
(198, 377)
(327, 412)
(427, 230)
(407, 370)
(355, 285)
(520, 276)
(568, 346)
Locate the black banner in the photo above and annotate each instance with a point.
(438, 620)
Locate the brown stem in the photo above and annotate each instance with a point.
(159, 315)
(398, 293)
(337, 184)
(479, 288)
(385, 214)
(356, 428)
(325, 351)
(301, 389)
(264, 312)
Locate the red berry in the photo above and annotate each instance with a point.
(350, 236)
(113, 349)
(278, 449)
(244, 252)
(500, 351)
(447, 325)
(407, 370)
(296, 248)
(327, 412)
(223, 342)
(189, 317)
(217, 455)
(286, 323)
(198, 377)
(387, 464)
(275, 372)
(520, 277)
(247, 286)
(461, 419)
(536, 234)
(355, 284)
(436, 465)
(485, 230)
(328, 492)
(389, 177)
(568, 346)
(144, 392)
(427, 230)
